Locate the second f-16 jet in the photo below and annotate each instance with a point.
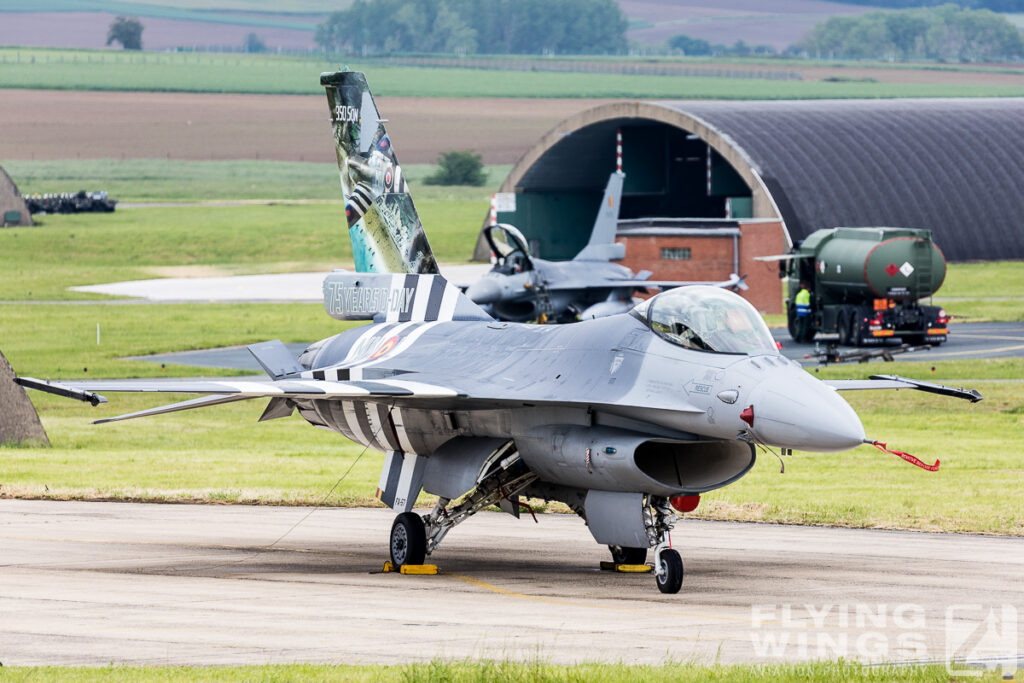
(523, 288)
(625, 419)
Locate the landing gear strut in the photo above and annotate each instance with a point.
(503, 476)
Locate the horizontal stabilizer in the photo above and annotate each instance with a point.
(275, 358)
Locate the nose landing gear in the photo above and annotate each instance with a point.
(668, 565)
(668, 570)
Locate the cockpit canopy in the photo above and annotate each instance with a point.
(708, 319)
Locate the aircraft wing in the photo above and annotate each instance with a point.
(228, 390)
(897, 382)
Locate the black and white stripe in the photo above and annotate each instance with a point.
(358, 203)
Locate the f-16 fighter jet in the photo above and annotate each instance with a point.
(625, 419)
(523, 288)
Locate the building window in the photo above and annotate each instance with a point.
(675, 253)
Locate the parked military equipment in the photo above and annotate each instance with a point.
(867, 285)
(67, 202)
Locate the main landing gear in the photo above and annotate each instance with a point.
(621, 555)
(503, 476)
(408, 540)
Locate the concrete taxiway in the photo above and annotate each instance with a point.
(94, 583)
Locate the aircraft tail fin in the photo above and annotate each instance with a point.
(602, 245)
(386, 232)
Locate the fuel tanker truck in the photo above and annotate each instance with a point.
(866, 285)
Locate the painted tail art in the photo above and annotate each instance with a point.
(386, 233)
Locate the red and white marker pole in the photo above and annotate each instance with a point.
(618, 150)
(709, 170)
(494, 209)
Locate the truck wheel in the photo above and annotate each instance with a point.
(845, 327)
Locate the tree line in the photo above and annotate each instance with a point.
(946, 33)
(994, 5)
(476, 26)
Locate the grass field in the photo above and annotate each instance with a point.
(104, 70)
(479, 671)
(161, 180)
(514, 672)
(131, 244)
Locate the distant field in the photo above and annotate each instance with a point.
(105, 70)
(72, 125)
(160, 180)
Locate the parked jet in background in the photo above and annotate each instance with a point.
(624, 419)
(523, 288)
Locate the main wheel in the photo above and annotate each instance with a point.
(621, 555)
(408, 540)
(671, 578)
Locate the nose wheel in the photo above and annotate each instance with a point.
(669, 571)
(408, 540)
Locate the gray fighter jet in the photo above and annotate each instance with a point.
(625, 419)
(523, 288)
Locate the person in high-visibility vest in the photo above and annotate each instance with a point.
(803, 312)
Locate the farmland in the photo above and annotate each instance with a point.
(178, 72)
(73, 125)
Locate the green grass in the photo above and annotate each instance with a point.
(36, 68)
(976, 292)
(40, 263)
(163, 180)
(479, 671)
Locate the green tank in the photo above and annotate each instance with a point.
(866, 285)
(880, 263)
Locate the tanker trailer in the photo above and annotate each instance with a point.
(867, 284)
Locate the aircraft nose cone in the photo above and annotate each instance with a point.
(484, 291)
(801, 413)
